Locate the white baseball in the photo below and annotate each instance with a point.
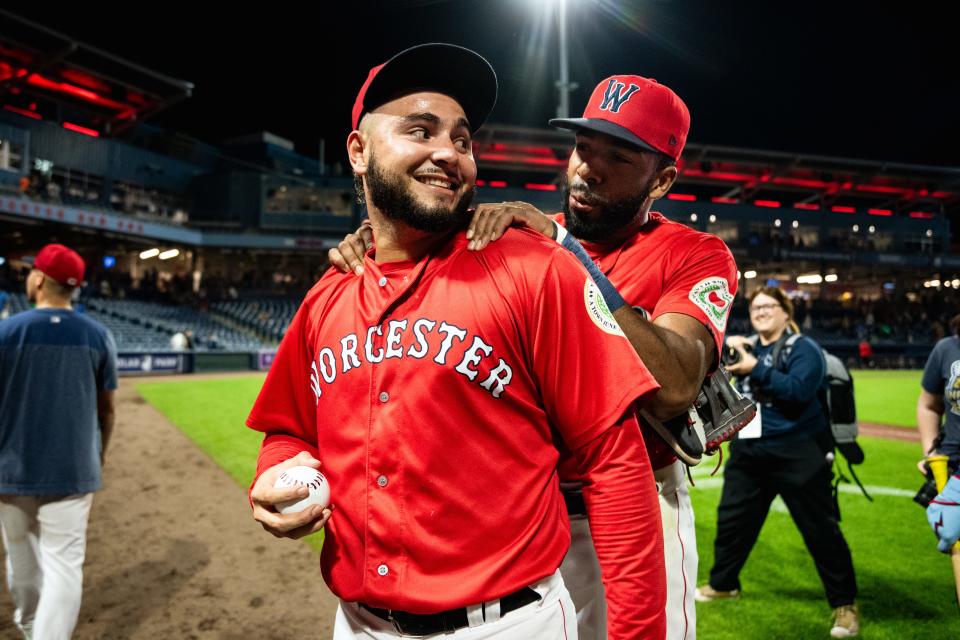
(305, 477)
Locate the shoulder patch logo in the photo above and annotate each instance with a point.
(597, 309)
(713, 297)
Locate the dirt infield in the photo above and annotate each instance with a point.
(889, 433)
(172, 551)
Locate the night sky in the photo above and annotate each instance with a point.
(846, 79)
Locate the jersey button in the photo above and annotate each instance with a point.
(383, 281)
(384, 396)
(382, 481)
(383, 570)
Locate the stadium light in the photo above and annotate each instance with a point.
(929, 233)
(830, 277)
(750, 275)
(693, 217)
(795, 224)
(739, 275)
(813, 278)
(777, 223)
(856, 228)
(564, 85)
(172, 253)
(871, 229)
(149, 253)
(713, 218)
(956, 284)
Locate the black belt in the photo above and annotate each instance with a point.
(425, 624)
(575, 504)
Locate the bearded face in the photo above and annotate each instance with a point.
(392, 194)
(593, 217)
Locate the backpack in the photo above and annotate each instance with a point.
(836, 397)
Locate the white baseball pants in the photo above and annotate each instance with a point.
(581, 571)
(45, 539)
(550, 618)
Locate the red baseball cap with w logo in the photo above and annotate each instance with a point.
(637, 110)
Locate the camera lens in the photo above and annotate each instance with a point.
(730, 356)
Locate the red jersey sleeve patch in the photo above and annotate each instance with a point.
(703, 286)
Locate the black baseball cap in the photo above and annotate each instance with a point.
(456, 71)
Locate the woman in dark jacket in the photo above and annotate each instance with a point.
(783, 452)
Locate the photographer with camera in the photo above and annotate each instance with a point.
(786, 451)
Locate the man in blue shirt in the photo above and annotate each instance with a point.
(58, 375)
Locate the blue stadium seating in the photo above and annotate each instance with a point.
(267, 317)
(148, 326)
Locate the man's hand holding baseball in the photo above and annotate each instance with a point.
(265, 497)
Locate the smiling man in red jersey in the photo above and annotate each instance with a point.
(434, 391)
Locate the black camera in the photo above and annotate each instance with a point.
(732, 356)
(926, 493)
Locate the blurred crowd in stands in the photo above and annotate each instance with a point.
(896, 330)
(59, 186)
(923, 320)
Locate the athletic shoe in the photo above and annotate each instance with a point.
(706, 593)
(846, 621)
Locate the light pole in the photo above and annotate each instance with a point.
(564, 86)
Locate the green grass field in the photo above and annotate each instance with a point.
(887, 397)
(906, 587)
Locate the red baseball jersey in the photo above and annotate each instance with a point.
(435, 393)
(667, 267)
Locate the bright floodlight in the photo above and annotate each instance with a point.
(750, 275)
(172, 253)
(149, 253)
(831, 277)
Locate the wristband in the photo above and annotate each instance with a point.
(611, 296)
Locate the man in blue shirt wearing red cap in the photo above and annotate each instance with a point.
(58, 373)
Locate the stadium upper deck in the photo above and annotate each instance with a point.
(78, 164)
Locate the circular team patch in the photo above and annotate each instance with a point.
(597, 309)
(952, 394)
(713, 297)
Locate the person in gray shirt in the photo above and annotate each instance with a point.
(940, 399)
(58, 375)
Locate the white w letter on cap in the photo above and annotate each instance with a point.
(614, 96)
